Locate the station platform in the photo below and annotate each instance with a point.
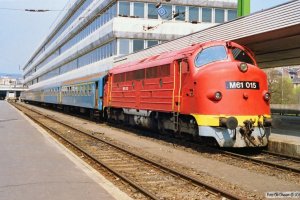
(285, 135)
(35, 166)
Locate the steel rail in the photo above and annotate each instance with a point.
(187, 177)
(282, 155)
(292, 169)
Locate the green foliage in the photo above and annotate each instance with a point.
(297, 95)
(282, 89)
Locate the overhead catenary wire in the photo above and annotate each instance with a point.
(30, 10)
(36, 10)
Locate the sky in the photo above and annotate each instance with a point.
(21, 32)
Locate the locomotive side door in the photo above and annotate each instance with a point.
(107, 90)
(176, 97)
(185, 93)
(180, 73)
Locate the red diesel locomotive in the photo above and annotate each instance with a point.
(213, 90)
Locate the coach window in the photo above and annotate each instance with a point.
(211, 54)
(80, 90)
(87, 90)
(84, 90)
(90, 89)
(206, 14)
(138, 45)
(124, 8)
(152, 11)
(241, 55)
(219, 15)
(138, 9)
(72, 91)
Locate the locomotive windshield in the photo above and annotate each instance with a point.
(241, 55)
(211, 54)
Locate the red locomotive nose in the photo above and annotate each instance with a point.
(238, 91)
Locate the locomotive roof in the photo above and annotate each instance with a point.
(161, 59)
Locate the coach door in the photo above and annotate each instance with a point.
(100, 91)
(96, 94)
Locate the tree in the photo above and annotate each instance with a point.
(281, 88)
(297, 95)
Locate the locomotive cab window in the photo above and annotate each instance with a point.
(241, 55)
(210, 54)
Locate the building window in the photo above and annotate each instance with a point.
(138, 10)
(206, 15)
(152, 11)
(193, 14)
(151, 43)
(232, 14)
(168, 14)
(181, 11)
(124, 46)
(219, 16)
(138, 45)
(124, 8)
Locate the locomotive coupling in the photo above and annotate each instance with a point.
(247, 129)
(230, 122)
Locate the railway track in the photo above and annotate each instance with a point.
(150, 178)
(279, 161)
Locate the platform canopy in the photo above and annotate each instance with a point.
(272, 34)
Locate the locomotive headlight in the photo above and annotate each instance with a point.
(218, 96)
(214, 95)
(243, 67)
(267, 96)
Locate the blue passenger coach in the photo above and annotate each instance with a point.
(84, 93)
